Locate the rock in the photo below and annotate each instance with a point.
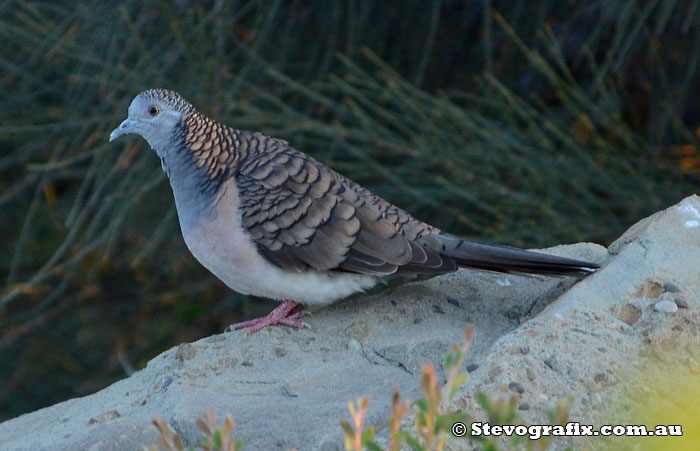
(285, 390)
(354, 344)
(185, 352)
(670, 288)
(531, 374)
(629, 314)
(666, 306)
(516, 387)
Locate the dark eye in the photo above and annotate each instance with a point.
(153, 110)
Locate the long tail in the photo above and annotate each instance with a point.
(509, 259)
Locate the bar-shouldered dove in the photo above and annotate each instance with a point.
(270, 221)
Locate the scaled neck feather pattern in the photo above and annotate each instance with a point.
(220, 152)
(198, 160)
(203, 154)
(213, 148)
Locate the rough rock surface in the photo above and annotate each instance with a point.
(541, 338)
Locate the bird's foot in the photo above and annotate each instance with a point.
(282, 314)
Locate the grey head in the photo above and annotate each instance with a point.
(154, 114)
(162, 117)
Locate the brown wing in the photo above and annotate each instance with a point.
(303, 215)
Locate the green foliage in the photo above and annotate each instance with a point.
(504, 412)
(213, 438)
(356, 436)
(434, 418)
(527, 124)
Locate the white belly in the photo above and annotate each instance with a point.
(225, 249)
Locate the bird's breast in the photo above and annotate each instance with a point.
(220, 243)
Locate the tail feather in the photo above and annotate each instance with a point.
(509, 259)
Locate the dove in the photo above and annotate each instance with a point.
(273, 222)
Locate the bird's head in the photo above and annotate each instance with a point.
(154, 114)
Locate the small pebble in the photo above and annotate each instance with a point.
(530, 374)
(666, 307)
(354, 344)
(417, 320)
(655, 290)
(185, 351)
(495, 370)
(551, 363)
(524, 406)
(629, 314)
(454, 302)
(104, 417)
(514, 386)
(681, 303)
(472, 367)
(676, 298)
(512, 349)
(670, 288)
(512, 314)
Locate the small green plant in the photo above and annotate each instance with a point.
(500, 412)
(559, 415)
(356, 437)
(399, 411)
(214, 439)
(504, 411)
(434, 418)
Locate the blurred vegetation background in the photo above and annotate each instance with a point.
(514, 122)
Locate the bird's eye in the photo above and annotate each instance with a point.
(153, 110)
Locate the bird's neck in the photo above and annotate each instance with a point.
(194, 180)
(202, 155)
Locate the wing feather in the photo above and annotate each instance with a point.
(303, 215)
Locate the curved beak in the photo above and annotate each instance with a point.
(124, 128)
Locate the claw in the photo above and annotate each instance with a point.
(282, 314)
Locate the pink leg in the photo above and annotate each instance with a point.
(282, 314)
